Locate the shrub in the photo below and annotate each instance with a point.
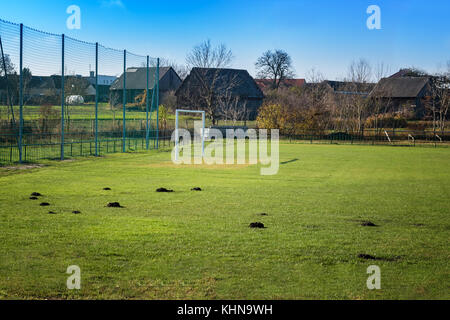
(386, 121)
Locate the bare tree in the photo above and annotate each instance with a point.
(6, 62)
(350, 110)
(208, 88)
(276, 65)
(314, 76)
(205, 55)
(360, 71)
(230, 107)
(440, 100)
(382, 71)
(378, 104)
(180, 69)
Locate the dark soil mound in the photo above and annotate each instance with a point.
(163, 190)
(259, 225)
(44, 204)
(196, 189)
(51, 212)
(36, 194)
(33, 198)
(263, 214)
(368, 224)
(107, 188)
(370, 257)
(366, 256)
(76, 211)
(114, 205)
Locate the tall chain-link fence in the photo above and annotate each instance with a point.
(61, 97)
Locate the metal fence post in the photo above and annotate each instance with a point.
(151, 110)
(62, 97)
(157, 104)
(96, 99)
(146, 108)
(20, 93)
(124, 134)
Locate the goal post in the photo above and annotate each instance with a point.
(202, 130)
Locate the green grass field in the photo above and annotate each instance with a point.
(197, 245)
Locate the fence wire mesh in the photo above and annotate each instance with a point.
(61, 97)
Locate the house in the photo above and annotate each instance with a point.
(211, 88)
(136, 82)
(350, 88)
(266, 84)
(104, 84)
(47, 89)
(340, 88)
(403, 92)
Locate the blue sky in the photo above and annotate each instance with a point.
(321, 34)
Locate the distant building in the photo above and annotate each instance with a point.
(403, 91)
(104, 84)
(43, 89)
(136, 82)
(231, 86)
(343, 87)
(267, 84)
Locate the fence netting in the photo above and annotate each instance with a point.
(41, 83)
(9, 93)
(72, 98)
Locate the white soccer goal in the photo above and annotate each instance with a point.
(202, 130)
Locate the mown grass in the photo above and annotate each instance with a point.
(86, 112)
(197, 245)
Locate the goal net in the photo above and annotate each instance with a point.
(190, 132)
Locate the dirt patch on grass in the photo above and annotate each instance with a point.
(163, 190)
(198, 289)
(262, 214)
(170, 164)
(368, 224)
(196, 189)
(51, 212)
(10, 170)
(36, 194)
(114, 205)
(23, 167)
(107, 189)
(76, 211)
(366, 256)
(33, 198)
(257, 225)
(44, 204)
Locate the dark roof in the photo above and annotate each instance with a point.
(350, 87)
(403, 87)
(239, 82)
(137, 78)
(267, 83)
(401, 73)
(408, 72)
(343, 87)
(44, 82)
